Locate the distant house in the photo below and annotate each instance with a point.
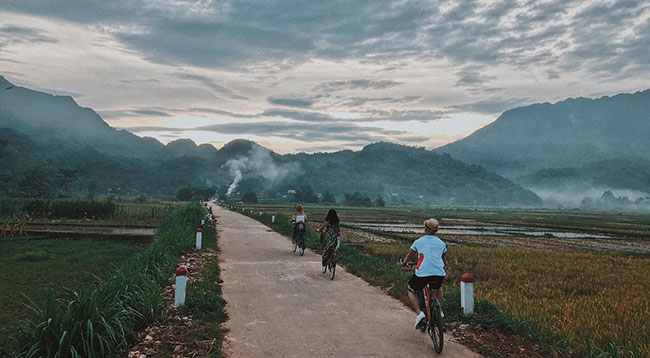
(291, 191)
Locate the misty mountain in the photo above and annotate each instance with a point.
(51, 146)
(409, 174)
(575, 144)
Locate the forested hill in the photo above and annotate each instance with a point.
(413, 175)
(50, 146)
(577, 142)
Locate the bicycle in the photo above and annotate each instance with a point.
(430, 305)
(330, 262)
(299, 238)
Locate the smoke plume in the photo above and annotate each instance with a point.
(259, 164)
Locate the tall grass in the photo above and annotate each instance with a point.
(98, 320)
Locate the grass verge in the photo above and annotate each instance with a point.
(204, 302)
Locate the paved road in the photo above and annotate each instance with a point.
(282, 305)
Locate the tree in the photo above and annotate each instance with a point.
(357, 199)
(184, 194)
(36, 182)
(379, 202)
(305, 194)
(249, 198)
(204, 194)
(328, 198)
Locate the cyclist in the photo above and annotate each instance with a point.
(332, 227)
(430, 252)
(299, 220)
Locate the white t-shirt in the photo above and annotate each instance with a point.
(300, 218)
(430, 250)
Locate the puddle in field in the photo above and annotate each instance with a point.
(480, 230)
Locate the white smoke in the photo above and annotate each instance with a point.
(236, 166)
(259, 163)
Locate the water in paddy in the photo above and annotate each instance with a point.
(480, 230)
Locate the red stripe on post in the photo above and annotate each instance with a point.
(199, 230)
(467, 278)
(181, 271)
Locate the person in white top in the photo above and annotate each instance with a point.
(430, 252)
(299, 221)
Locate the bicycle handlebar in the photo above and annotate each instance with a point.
(408, 264)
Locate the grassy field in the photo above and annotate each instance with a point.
(100, 318)
(579, 304)
(42, 264)
(98, 211)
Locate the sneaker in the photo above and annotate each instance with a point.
(421, 318)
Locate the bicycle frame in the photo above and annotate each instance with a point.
(427, 301)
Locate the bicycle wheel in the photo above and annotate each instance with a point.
(435, 327)
(295, 246)
(332, 267)
(325, 268)
(301, 244)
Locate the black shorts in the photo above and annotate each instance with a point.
(416, 284)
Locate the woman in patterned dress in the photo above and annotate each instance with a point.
(332, 229)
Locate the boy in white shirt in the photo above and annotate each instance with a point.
(430, 252)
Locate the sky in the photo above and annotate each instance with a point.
(321, 75)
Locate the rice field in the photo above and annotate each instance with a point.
(594, 303)
(42, 264)
(579, 296)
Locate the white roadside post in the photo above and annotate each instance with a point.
(199, 238)
(467, 294)
(202, 221)
(260, 213)
(272, 219)
(181, 286)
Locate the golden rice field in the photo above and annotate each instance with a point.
(580, 296)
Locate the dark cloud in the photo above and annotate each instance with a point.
(494, 105)
(333, 86)
(362, 101)
(138, 112)
(420, 115)
(17, 34)
(291, 101)
(297, 115)
(472, 76)
(595, 40)
(604, 37)
(301, 131)
(211, 84)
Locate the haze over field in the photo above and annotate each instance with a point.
(312, 76)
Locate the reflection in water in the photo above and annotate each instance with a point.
(480, 230)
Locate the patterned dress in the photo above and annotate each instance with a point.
(331, 240)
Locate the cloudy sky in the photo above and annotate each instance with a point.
(321, 75)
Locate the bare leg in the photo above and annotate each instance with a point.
(415, 301)
(441, 297)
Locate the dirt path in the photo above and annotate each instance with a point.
(281, 305)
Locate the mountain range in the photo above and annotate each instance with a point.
(580, 147)
(49, 145)
(570, 148)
